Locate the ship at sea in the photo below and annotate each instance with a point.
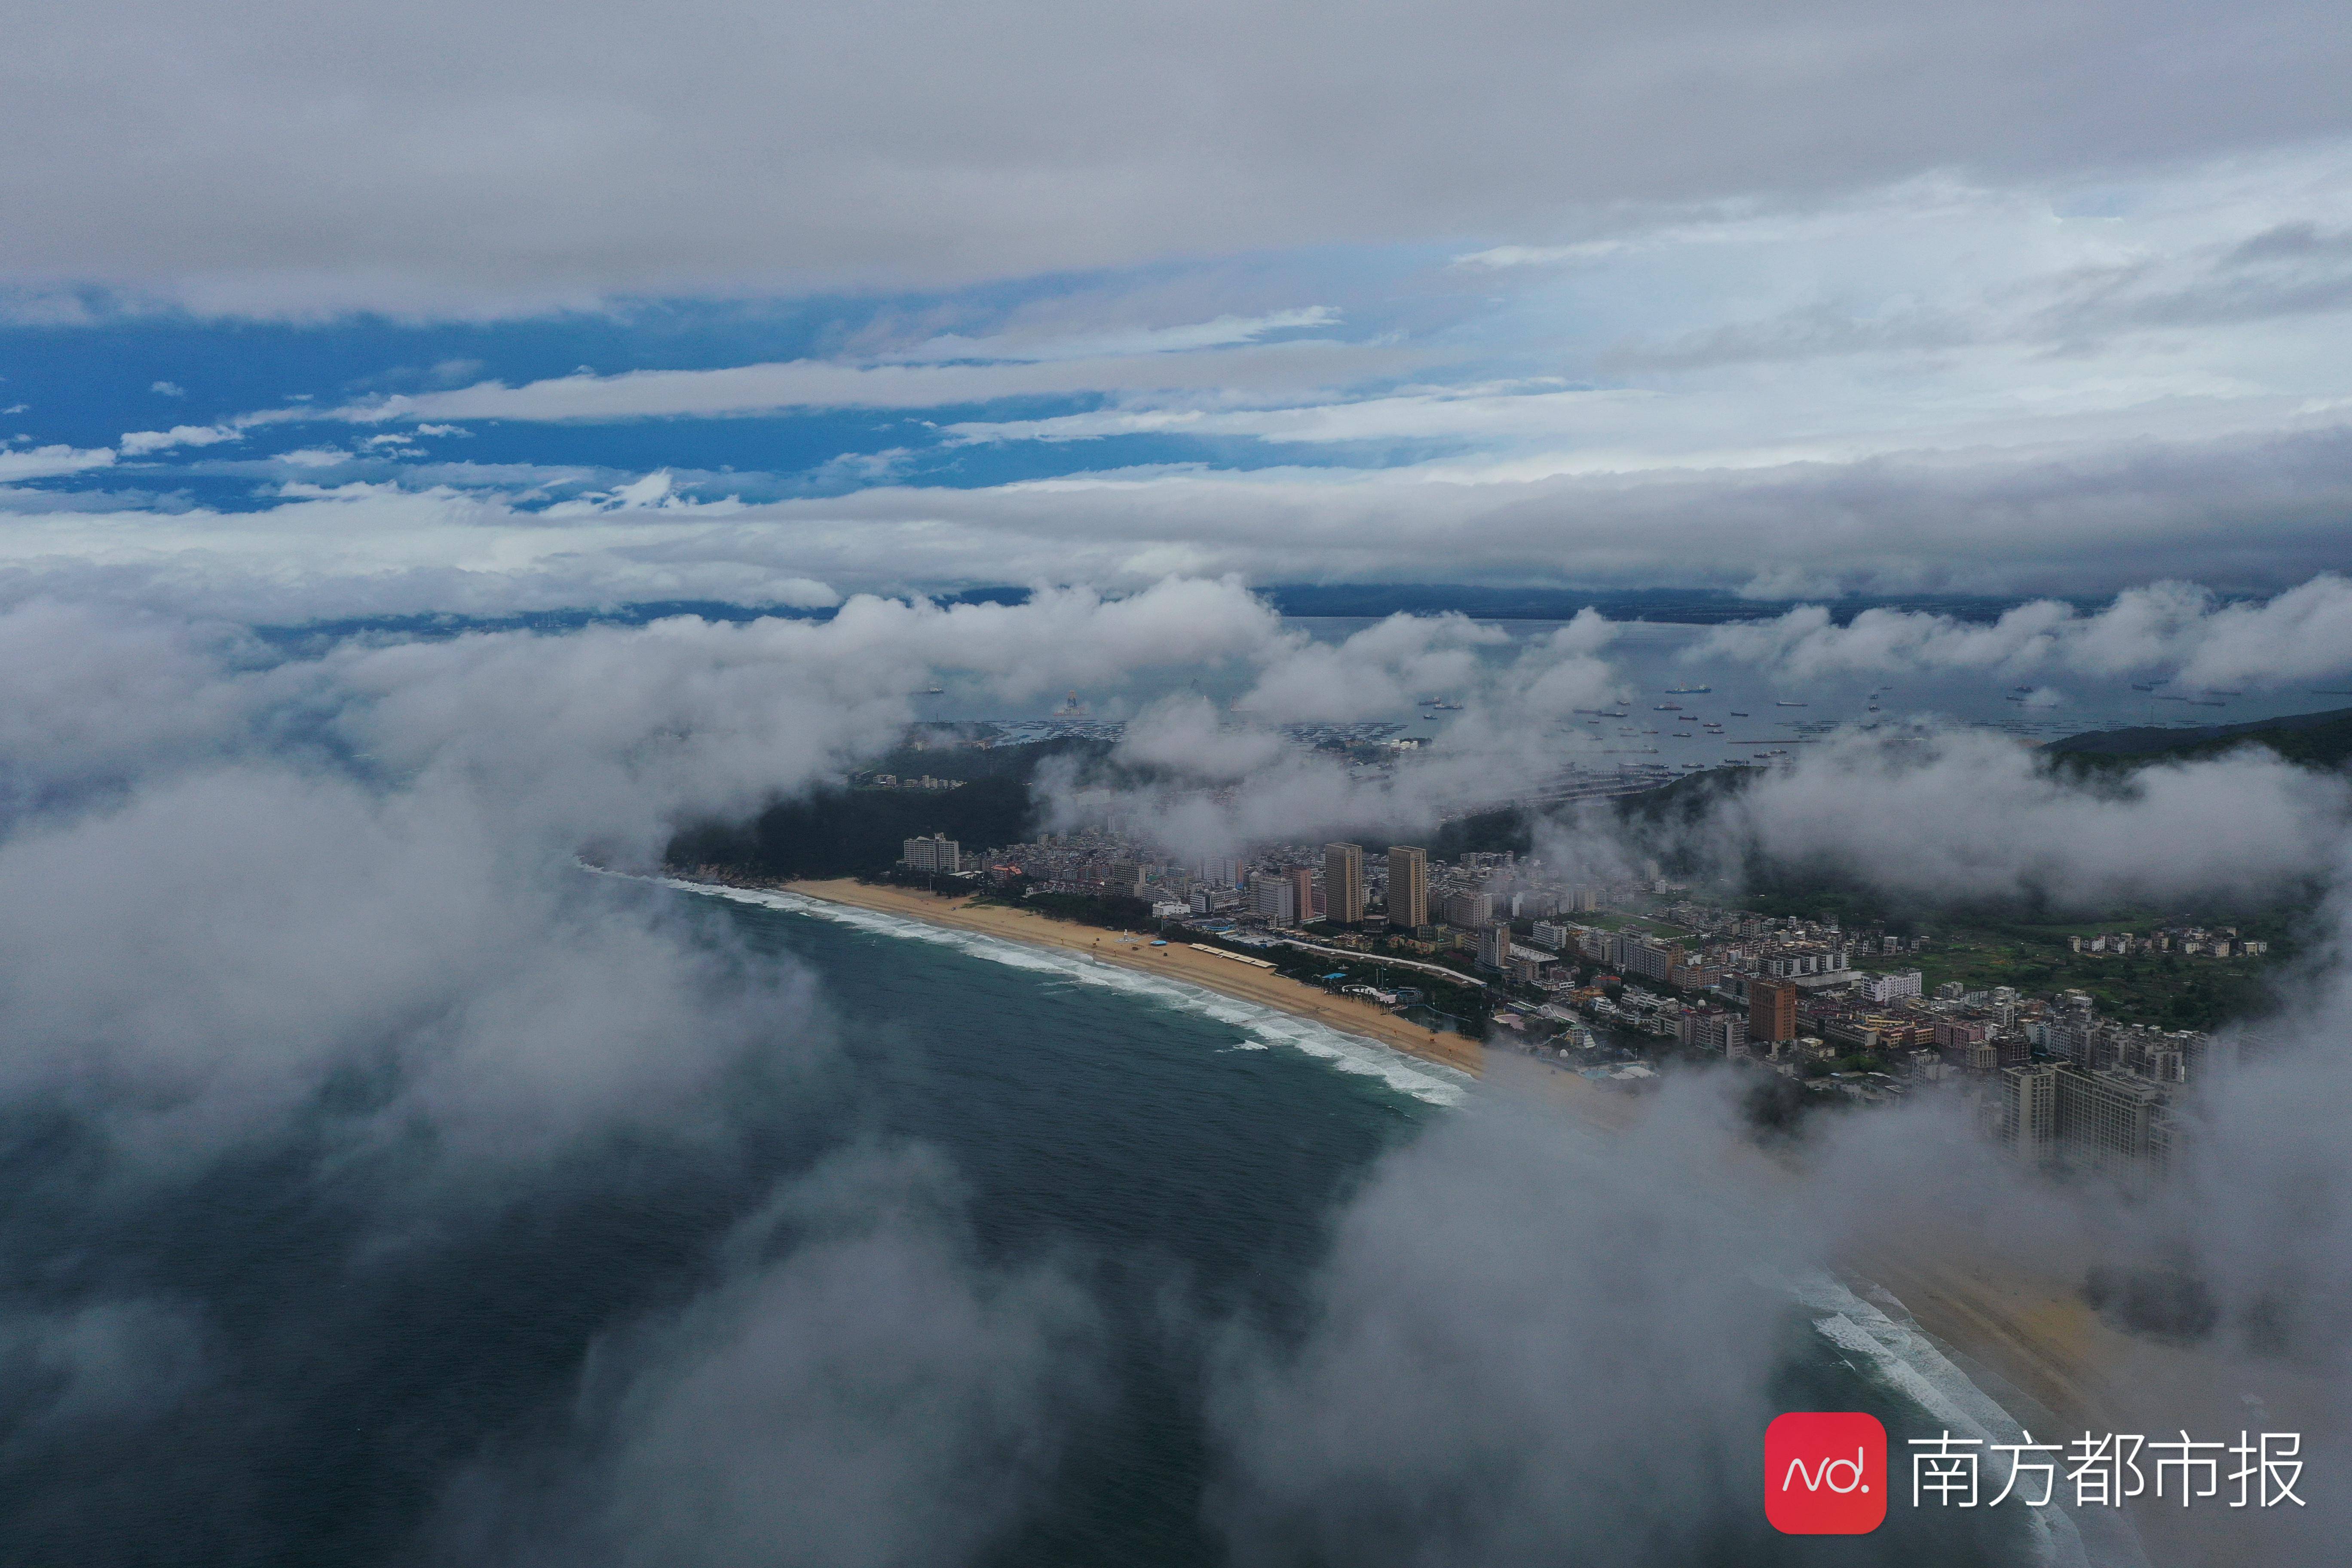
(1781, 704)
(1689, 690)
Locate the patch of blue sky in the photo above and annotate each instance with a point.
(85, 384)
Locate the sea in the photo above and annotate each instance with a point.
(1156, 1131)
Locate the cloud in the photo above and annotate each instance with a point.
(143, 443)
(706, 157)
(1187, 734)
(1031, 346)
(1228, 783)
(857, 1389)
(46, 462)
(168, 389)
(1528, 1341)
(741, 390)
(1962, 815)
(1373, 672)
(363, 548)
(2177, 627)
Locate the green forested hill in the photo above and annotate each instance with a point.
(2320, 740)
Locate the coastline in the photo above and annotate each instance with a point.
(1174, 962)
(2027, 1332)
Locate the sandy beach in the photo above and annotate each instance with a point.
(2019, 1331)
(1175, 962)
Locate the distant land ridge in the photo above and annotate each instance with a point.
(2322, 739)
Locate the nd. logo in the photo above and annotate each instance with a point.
(1826, 1473)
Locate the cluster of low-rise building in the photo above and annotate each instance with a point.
(2220, 941)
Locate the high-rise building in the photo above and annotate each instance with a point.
(1302, 891)
(1771, 1010)
(2028, 1111)
(2104, 1118)
(1343, 884)
(2110, 1120)
(1469, 910)
(937, 853)
(1495, 946)
(1275, 898)
(1408, 886)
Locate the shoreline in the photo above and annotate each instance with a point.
(1175, 962)
(2030, 1331)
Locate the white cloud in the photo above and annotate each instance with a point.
(143, 443)
(1292, 368)
(2094, 521)
(2178, 628)
(169, 389)
(1373, 672)
(46, 462)
(1221, 332)
(1971, 814)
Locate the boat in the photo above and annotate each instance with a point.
(1682, 734)
(1689, 690)
(1777, 703)
(934, 691)
(1737, 714)
(1612, 713)
(2145, 686)
(1666, 707)
(1444, 707)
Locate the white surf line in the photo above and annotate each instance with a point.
(1908, 1359)
(1431, 1082)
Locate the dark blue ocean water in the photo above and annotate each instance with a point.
(345, 1376)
